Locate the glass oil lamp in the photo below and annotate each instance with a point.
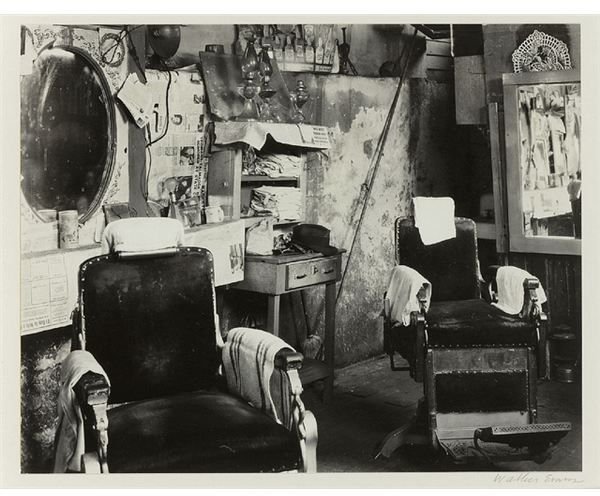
(266, 91)
(249, 89)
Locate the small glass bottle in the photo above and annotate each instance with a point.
(289, 55)
(278, 49)
(319, 51)
(299, 49)
(174, 210)
(309, 54)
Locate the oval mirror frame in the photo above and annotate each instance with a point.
(108, 102)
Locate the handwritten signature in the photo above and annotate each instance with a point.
(528, 478)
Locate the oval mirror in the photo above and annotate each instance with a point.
(67, 132)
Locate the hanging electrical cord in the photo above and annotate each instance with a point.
(149, 141)
(145, 178)
(167, 117)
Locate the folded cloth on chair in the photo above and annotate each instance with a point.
(249, 363)
(511, 294)
(142, 234)
(69, 442)
(434, 217)
(405, 284)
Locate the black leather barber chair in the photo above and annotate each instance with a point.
(149, 320)
(478, 365)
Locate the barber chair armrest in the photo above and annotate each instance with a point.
(531, 307)
(287, 359)
(92, 392)
(304, 423)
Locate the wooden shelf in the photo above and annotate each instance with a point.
(59, 251)
(259, 179)
(250, 221)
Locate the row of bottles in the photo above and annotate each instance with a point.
(294, 47)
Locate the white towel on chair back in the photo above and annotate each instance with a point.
(69, 442)
(434, 217)
(511, 294)
(402, 291)
(249, 363)
(142, 234)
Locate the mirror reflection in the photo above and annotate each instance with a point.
(67, 127)
(550, 134)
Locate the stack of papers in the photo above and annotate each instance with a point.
(275, 165)
(283, 203)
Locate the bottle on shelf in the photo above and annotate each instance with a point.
(309, 54)
(320, 50)
(289, 55)
(309, 38)
(278, 49)
(299, 50)
(174, 210)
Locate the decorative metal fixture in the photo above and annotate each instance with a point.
(298, 97)
(541, 52)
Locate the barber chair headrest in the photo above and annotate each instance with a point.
(142, 234)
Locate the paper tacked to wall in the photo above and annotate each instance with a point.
(49, 288)
(137, 99)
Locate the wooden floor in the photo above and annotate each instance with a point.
(370, 400)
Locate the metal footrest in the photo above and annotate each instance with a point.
(530, 435)
(503, 443)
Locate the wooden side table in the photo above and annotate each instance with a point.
(276, 275)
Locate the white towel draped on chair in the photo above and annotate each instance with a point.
(249, 364)
(69, 441)
(405, 284)
(510, 292)
(142, 234)
(434, 217)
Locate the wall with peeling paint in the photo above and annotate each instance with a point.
(417, 160)
(41, 357)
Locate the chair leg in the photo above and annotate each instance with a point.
(408, 434)
(411, 433)
(90, 464)
(308, 445)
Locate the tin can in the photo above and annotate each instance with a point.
(68, 229)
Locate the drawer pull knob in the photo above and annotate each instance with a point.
(301, 276)
(328, 271)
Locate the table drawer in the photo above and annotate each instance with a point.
(311, 272)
